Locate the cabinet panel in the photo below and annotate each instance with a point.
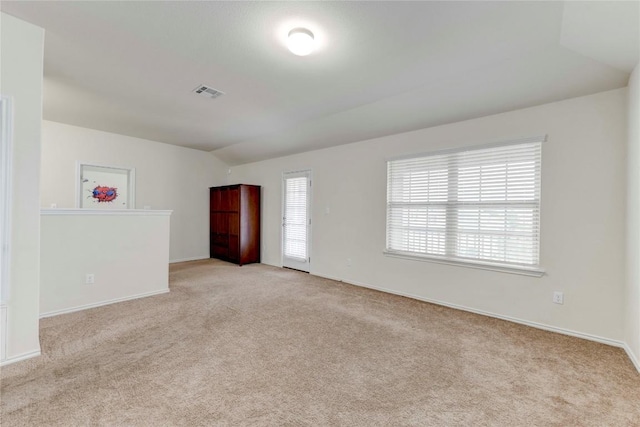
(222, 223)
(234, 246)
(234, 199)
(250, 223)
(219, 222)
(224, 199)
(214, 200)
(234, 223)
(219, 251)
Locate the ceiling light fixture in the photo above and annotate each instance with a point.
(300, 41)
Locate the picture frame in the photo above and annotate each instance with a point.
(104, 187)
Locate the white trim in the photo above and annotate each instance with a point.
(20, 357)
(131, 182)
(195, 258)
(100, 304)
(6, 166)
(270, 264)
(538, 138)
(513, 269)
(4, 317)
(632, 356)
(589, 337)
(113, 212)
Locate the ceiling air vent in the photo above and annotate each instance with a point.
(208, 91)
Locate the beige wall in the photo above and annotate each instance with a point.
(632, 320)
(583, 216)
(21, 70)
(167, 177)
(127, 253)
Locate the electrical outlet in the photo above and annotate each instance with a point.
(90, 279)
(348, 262)
(558, 297)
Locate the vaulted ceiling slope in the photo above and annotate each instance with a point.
(381, 67)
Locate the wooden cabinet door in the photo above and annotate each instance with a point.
(234, 236)
(224, 199)
(214, 199)
(219, 234)
(233, 197)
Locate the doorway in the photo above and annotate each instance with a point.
(296, 220)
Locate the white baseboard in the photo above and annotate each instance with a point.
(536, 325)
(3, 331)
(195, 258)
(632, 356)
(101, 303)
(20, 357)
(273, 265)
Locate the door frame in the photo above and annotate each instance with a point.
(291, 174)
(6, 162)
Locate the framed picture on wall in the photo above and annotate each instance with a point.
(105, 187)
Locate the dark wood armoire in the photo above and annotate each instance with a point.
(234, 220)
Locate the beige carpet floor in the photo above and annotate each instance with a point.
(259, 346)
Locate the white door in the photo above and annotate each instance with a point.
(296, 221)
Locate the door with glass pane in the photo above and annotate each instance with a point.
(296, 221)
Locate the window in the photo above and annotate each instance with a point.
(479, 205)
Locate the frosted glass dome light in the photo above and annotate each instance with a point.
(300, 41)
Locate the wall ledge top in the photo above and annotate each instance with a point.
(110, 212)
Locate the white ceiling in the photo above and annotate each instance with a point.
(382, 67)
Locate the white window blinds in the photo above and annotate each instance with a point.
(295, 217)
(469, 205)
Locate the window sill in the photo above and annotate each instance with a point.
(524, 271)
